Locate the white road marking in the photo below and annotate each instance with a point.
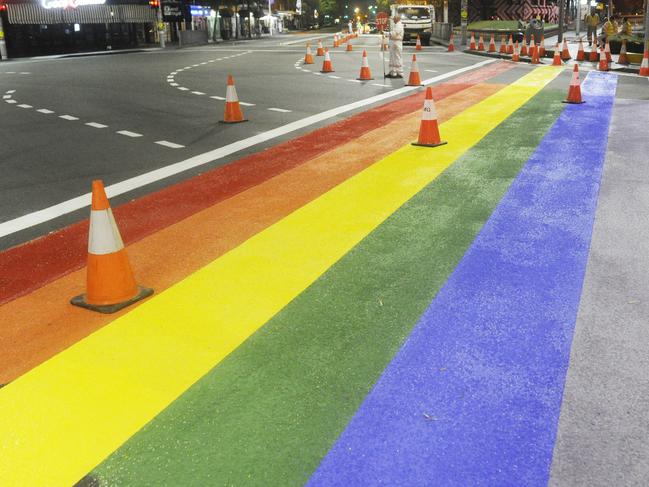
(170, 144)
(315, 72)
(68, 117)
(174, 84)
(203, 64)
(129, 134)
(217, 97)
(96, 125)
(11, 72)
(24, 105)
(246, 104)
(197, 93)
(195, 65)
(182, 88)
(187, 67)
(5, 97)
(45, 111)
(281, 110)
(430, 70)
(173, 73)
(10, 91)
(31, 219)
(334, 77)
(26, 73)
(355, 80)
(378, 84)
(11, 101)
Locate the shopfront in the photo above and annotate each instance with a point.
(37, 28)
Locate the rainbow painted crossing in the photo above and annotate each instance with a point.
(249, 370)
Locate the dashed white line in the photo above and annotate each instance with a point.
(68, 117)
(11, 72)
(355, 80)
(334, 77)
(174, 84)
(197, 93)
(10, 91)
(378, 84)
(26, 72)
(182, 88)
(129, 134)
(217, 97)
(96, 125)
(6, 97)
(315, 72)
(23, 105)
(11, 101)
(430, 70)
(170, 144)
(246, 104)
(281, 110)
(45, 111)
(173, 73)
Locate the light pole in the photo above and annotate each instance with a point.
(3, 44)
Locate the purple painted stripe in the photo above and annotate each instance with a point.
(473, 397)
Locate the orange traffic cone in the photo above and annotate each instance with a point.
(320, 51)
(556, 61)
(516, 56)
(481, 44)
(451, 46)
(510, 45)
(594, 53)
(366, 74)
(603, 63)
(542, 47)
(523, 51)
(428, 130)
(233, 112)
(349, 47)
(385, 44)
(503, 45)
(308, 57)
(607, 50)
(623, 58)
(110, 285)
(492, 44)
(414, 79)
(581, 55)
(418, 44)
(534, 52)
(472, 43)
(336, 42)
(326, 64)
(644, 66)
(565, 53)
(574, 92)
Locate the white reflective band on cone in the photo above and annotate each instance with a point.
(429, 112)
(365, 63)
(231, 94)
(414, 67)
(327, 58)
(575, 79)
(104, 237)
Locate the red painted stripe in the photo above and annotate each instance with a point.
(61, 252)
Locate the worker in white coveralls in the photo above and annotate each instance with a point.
(396, 48)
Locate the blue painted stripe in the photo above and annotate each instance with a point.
(473, 397)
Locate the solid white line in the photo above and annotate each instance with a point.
(197, 93)
(23, 105)
(170, 144)
(96, 125)
(129, 134)
(68, 117)
(281, 110)
(46, 214)
(246, 104)
(217, 97)
(45, 111)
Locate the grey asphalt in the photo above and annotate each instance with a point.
(46, 160)
(603, 434)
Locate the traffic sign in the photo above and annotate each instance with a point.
(381, 20)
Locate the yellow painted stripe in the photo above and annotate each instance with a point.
(64, 417)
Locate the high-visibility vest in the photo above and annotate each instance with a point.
(610, 28)
(592, 20)
(627, 28)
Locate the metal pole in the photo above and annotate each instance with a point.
(646, 24)
(562, 12)
(270, 20)
(578, 17)
(464, 17)
(3, 44)
(160, 27)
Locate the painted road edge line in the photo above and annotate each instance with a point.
(41, 216)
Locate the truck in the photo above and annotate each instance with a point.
(417, 19)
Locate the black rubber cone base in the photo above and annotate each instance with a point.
(143, 292)
(367, 79)
(429, 145)
(573, 102)
(238, 121)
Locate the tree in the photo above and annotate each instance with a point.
(383, 5)
(328, 7)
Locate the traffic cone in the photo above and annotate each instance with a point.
(556, 61)
(414, 79)
(542, 47)
(492, 44)
(565, 53)
(428, 130)
(510, 45)
(644, 66)
(366, 74)
(534, 52)
(110, 284)
(336, 40)
(523, 51)
(607, 51)
(233, 112)
(574, 92)
(503, 44)
(594, 53)
(623, 58)
(481, 44)
(326, 64)
(349, 47)
(320, 51)
(308, 57)
(516, 56)
(472, 43)
(418, 44)
(581, 55)
(603, 63)
(385, 44)
(451, 46)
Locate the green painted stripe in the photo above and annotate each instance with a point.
(271, 410)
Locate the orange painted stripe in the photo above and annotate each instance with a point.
(37, 326)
